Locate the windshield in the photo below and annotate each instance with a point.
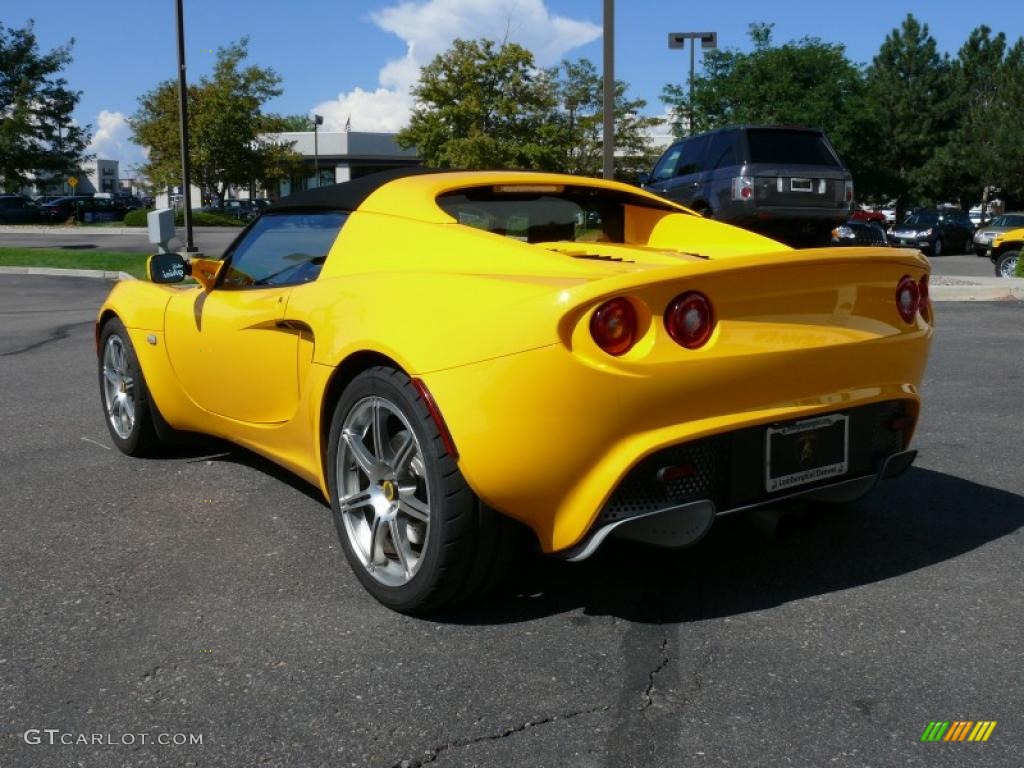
(775, 147)
(1009, 220)
(540, 213)
(921, 220)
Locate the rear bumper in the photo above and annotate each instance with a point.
(546, 438)
(728, 475)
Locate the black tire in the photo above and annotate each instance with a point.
(937, 247)
(141, 439)
(467, 545)
(980, 251)
(1006, 263)
(969, 245)
(704, 210)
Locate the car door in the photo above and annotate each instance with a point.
(665, 169)
(684, 186)
(231, 348)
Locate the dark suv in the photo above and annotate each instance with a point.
(778, 180)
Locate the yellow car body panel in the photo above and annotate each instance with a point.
(546, 424)
(1010, 236)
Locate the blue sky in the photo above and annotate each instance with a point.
(357, 57)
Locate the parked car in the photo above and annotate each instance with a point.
(936, 232)
(783, 181)
(243, 210)
(16, 209)
(506, 354)
(863, 214)
(1004, 222)
(858, 232)
(1005, 252)
(83, 209)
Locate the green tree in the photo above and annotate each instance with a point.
(296, 123)
(37, 135)
(911, 102)
(480, 105)
(582, 96)
(229, 143)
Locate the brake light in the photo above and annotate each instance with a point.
(742, 187)
(848, 192)
(690, 320)
(908, 298)
(614, 326)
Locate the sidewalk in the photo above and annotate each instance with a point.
(950, 288)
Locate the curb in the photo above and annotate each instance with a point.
(976, 293)
(78, 231)
(99, 274)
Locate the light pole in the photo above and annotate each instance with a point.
(186, 176)
(678, 40)
(608, 131)
(318, 120)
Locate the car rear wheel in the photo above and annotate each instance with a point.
(937, 247)
(124, 394)
(414, 533)
(1006, 264)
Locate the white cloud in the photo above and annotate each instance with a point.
(111, 140)
(428, 27)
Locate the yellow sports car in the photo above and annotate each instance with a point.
(452, 357)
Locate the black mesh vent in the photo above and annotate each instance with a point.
(688, 472)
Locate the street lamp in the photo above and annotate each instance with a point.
(678, 40)
(608, 130)
(186, 180)
(318, 120)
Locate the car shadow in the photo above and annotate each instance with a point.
(753, 561)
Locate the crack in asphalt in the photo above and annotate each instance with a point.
(434, 753)
(59, 333)
(647, 695)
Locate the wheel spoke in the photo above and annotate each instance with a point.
(366, 462)
(379, 427)
(354, 501)
(401, 545)
(129, 410)
(412, 507)
(378, 529)
(111, 376)
(405, 453)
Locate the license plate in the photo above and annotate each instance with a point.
(806, 451)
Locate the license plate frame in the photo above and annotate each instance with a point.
(801, 185)
(806, 451)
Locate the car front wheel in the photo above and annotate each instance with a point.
(414, 533)
(1006, 264)
(124, 394)
(937, 247)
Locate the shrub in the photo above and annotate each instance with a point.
(1020, 267)
(137, 218)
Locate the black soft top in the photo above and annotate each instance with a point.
(346, 196)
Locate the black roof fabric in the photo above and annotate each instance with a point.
(346, 196)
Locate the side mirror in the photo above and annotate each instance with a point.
(643, 178)
(167, 268)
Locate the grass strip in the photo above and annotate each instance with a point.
(57, 258)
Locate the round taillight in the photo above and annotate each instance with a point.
(746, 192)
(689, 320)
(613, 326)
(908, 298)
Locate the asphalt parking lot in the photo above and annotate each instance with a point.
(204, 593)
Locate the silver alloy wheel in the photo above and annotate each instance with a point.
(382, 491)
(118, 387)
(1009, 267)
